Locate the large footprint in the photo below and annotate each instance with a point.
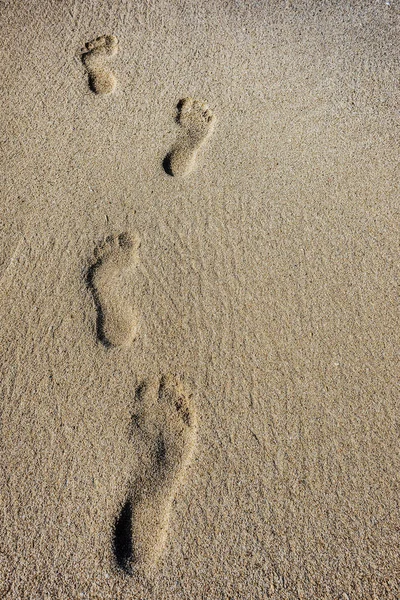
(116, 320)
(164, 428)
(95, 58)
(197, 122)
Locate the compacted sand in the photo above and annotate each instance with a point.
(199, 267)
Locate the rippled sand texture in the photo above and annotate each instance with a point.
(199, 221)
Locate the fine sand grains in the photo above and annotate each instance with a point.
(95, 58)
(197, 124)
(164, 429)
(267, 278)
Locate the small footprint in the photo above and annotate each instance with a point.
(95, 58)
(116, 319)
(197, 122)
(164, 429)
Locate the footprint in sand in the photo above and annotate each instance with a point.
(197, 122)
(116, 319)
(95, 58)
(164, 431)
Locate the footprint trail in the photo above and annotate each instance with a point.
(95, 58)
(197, 122)
(164, 428)
(116, 320)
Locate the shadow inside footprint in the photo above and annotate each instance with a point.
(99, 312)
(167, 165)
(123, 546)
(93, 83)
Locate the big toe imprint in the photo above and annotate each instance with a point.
(95, 58)
(197, 122)
(164, 427)
(116, 319)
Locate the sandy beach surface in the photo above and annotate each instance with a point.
(199, 266)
